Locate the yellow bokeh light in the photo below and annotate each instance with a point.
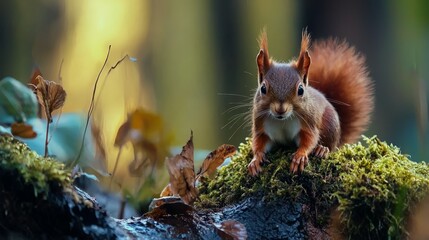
(91, 27)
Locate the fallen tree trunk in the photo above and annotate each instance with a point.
(370, 192)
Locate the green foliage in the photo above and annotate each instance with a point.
(378, 187)
(35, 170)
(17, 102)
(374, 187)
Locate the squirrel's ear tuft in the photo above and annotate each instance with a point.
(304, 60)
(305, 41)
(263, 59)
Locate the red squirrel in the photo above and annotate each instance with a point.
(318, 102)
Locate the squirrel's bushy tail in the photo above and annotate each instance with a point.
(339, 72)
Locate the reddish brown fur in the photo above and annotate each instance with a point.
(329, 130)
(303, 62)
(263, 59)
(334, 109)
(340, 74)
(263, 42)
(305, 42)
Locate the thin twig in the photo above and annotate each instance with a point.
(108, 73)
(91, 107)
(60, 78)
(117, 63)
(56, 125)
(94, 102)
(122, 208)
(47, 138)
(114, 168)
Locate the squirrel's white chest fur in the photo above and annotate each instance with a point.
(282, 131)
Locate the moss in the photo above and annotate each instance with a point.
(39, 172)
(38, 200)
(373, 186)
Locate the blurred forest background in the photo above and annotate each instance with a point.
(196, 59)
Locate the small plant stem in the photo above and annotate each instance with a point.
(122, 208)
(114, 168)
(48, 121)
(47, 138)
(91, 108)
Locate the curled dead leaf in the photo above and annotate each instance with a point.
(33, 78)
(166, 191)
(182, 175)
(231, 229)
(140, 124)
(145, 131)
(145, 160)
(215, 159)
(50, 95)
(209, 166)
(23, 130)
(32, 84)
(122, 134)
(167, 206)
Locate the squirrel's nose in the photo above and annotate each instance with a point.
(280, 111)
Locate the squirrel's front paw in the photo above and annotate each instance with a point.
(321, 151)
(299, 161)
(255, 166)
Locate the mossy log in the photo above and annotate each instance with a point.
(361, 191)
(38, 201)
(366, 191)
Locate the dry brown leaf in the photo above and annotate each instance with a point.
(145, 160)
(140, 124)
(215, 159)
(209, 166)
(122, 134)
(50, 95)
(145, 131)
(166, 191)
(182, 175)
(32, 84)
(23, 130)
(167, 206)
(188, 150)
(231, 229)
(33, 81)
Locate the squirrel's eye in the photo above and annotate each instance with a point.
(263, 89)
(300, 90)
